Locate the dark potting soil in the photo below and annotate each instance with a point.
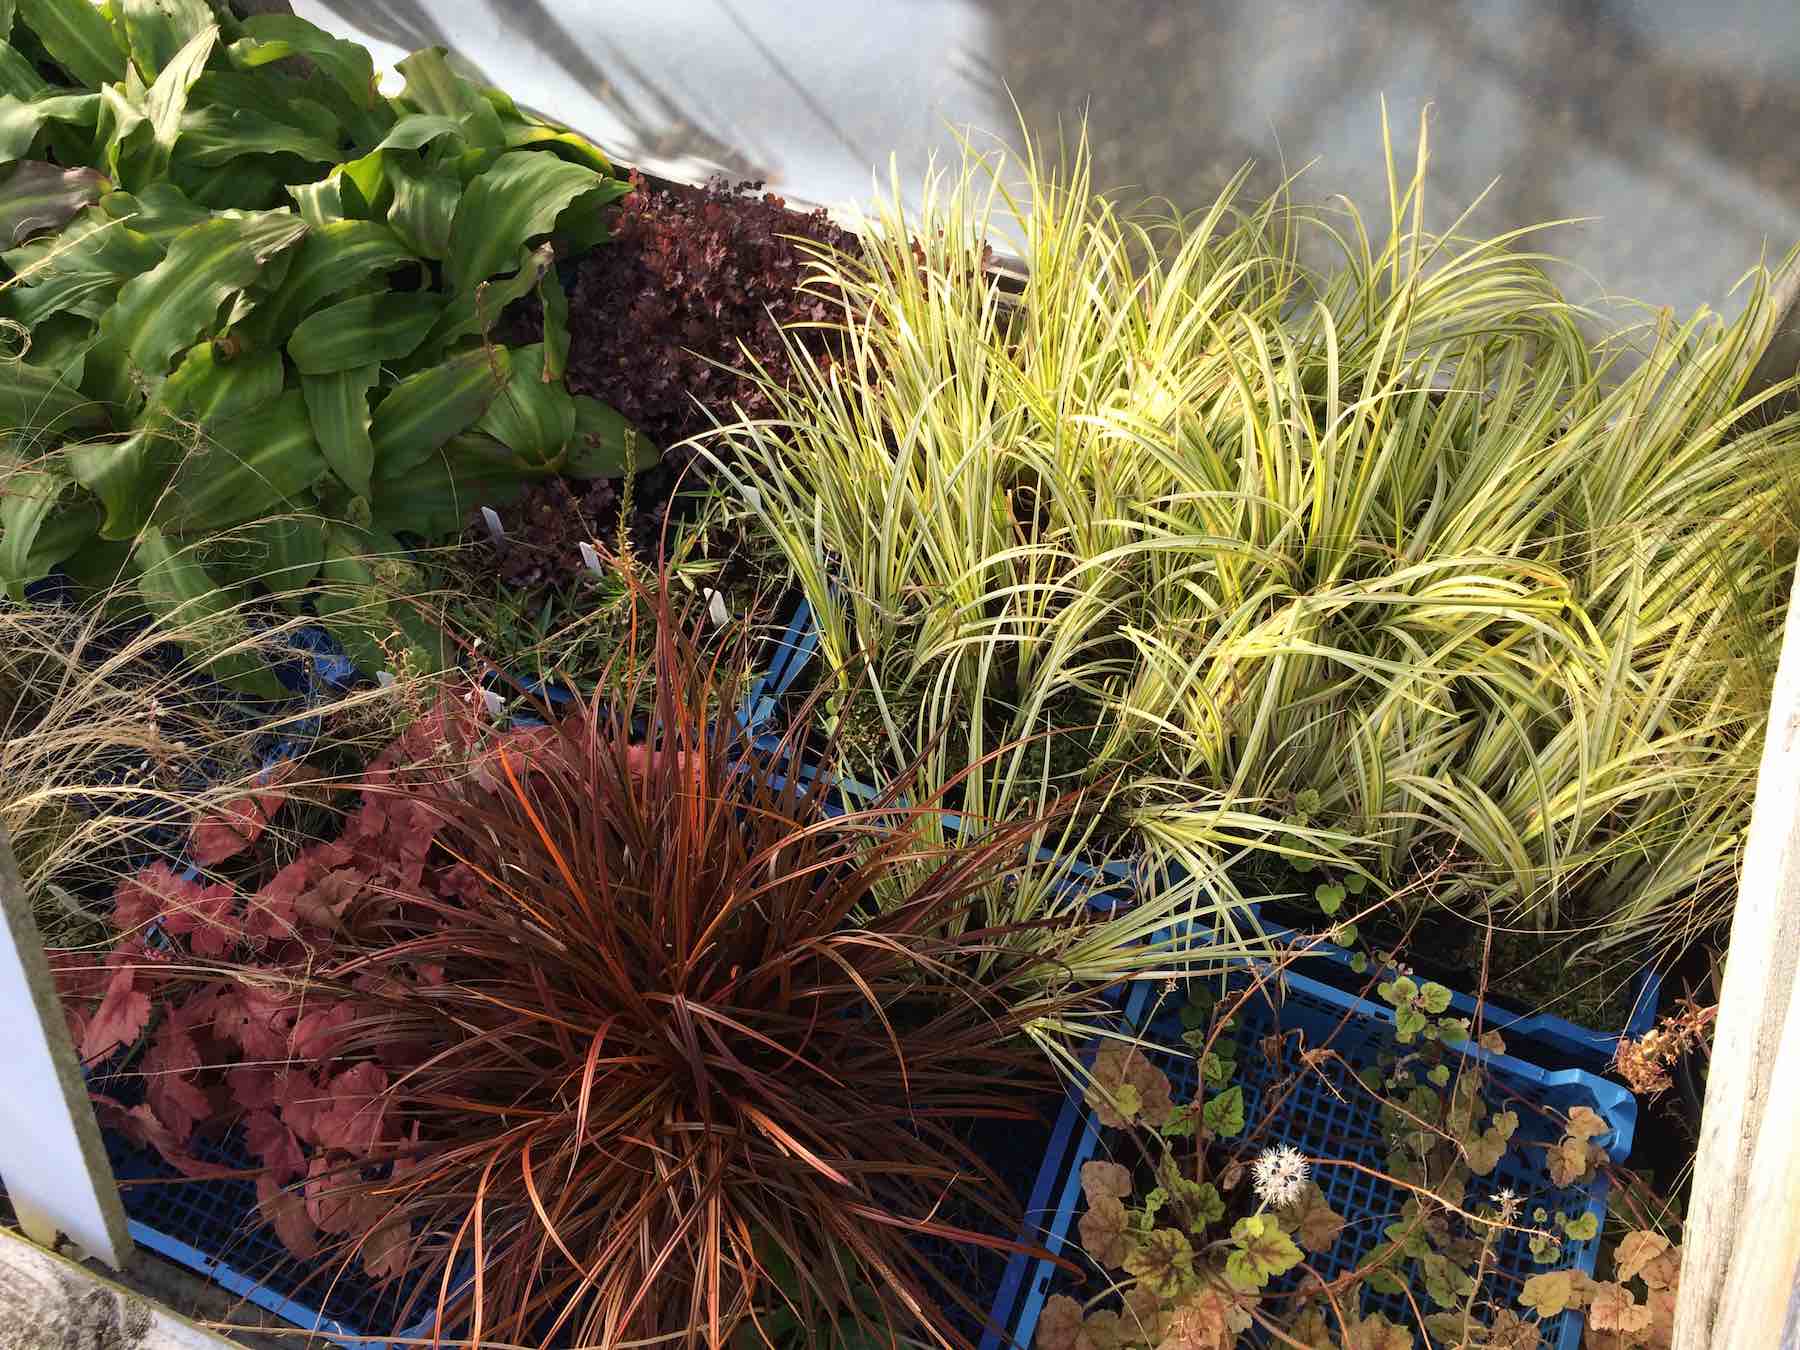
(1525, 972)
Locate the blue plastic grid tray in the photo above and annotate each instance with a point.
(1328, 1114)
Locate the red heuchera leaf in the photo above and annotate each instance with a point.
(241, 822)
(323, 904)
(275, 1144)
(384, 1253)
(149, 895)
(318, 1033)
(336, 1199)
(252, 1086)
(172, 1092)
(121, 1017)
(285, 1211)
(206, 919)
(301, 1101)
(357, 1111)
(141, 1126)
(257, 1021)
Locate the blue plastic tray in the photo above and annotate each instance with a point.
(1323, 1123)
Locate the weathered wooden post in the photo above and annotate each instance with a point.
(51, 1157)
(1740, 1275)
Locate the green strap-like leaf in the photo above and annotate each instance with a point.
(36, 196)
(517, 199)
(126, 475)
(160, 212)
(18, 76)
(420, 129)
(383, 326)
(20, 121)
(165, 310)
(432, 87)
(244, 467)
(270, 37)
(523, 133)
(332, 258)
(284, 553)
(338, 404)
(157, 31)
(166, 101)
(535, 419)
(554, 301)
(424, 206)
(36, 403)
(217, 135)
(435, 498)
(78, 38)
(285, 98)
(27, 499)
(468, 313)
(209, 389)
(425, 410)
(176, 585)
(605, 444)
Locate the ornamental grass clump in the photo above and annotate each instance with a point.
(604, 1017)
(1380, 564)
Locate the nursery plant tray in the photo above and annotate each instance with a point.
(1328, 1114)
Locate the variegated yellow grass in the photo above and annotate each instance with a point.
(1232, 534)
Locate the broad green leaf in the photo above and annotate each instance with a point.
(523, 133)
(36, 196)
(166, 100)
(18, 76)
(425, 410)
(339, 407)
(605, 444)
(254, 183)
(213, 136)
(283, 552)
(243, 468)
(37, 403)
(20, 121)
(209, 388)
(519, 198)
(536, 420)
(165, 310)
(128, 476)
(79, 271)
(420, 129)
(424, 207)
(160, 212)
(157, 31)
(382, 326)
(282, 97)
(435, 498)
(123, 130)
(476, 311)
(78, 38)
(177, 586)
(1223, 1112)
(362, 600)
(432, 87)
(333, 257)
(27, 499)
(555, 303)
(270, 37)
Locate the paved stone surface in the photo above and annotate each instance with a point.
(1675, 122)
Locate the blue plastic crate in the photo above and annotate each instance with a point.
(1344, 1123)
